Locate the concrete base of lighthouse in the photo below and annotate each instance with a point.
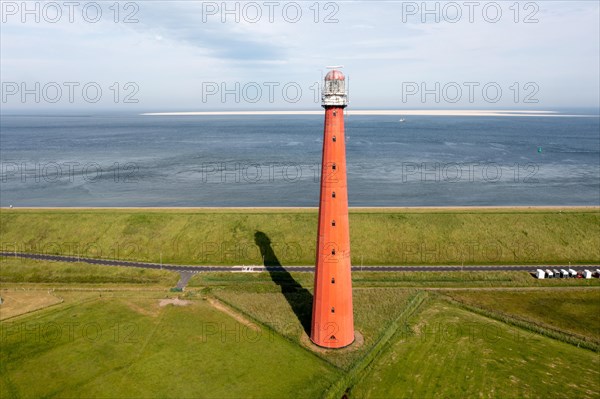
(335, 347)
(354, 345)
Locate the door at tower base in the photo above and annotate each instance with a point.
(333, 319)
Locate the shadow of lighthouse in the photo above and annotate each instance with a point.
(298, 297)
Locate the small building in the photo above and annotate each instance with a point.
(539, 274)
(572, 273)
(564, 273)
(549, 273)
(587, 274)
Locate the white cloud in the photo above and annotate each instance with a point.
(175, 48)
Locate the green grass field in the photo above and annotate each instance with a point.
(130, 347)
(574, 311)
(378, 236)
(452, 353)
(109, 337)
(32, 271)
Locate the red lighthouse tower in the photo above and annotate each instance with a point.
(332, 317)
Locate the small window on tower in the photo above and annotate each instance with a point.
(334, 112)
(333, 166)
(334, 139)
(333, 194)
(333, 223)
(332, 310)
(333, 251)
(333, 280)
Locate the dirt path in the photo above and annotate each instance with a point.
(174, 301)
(227, 310)
(16, 302)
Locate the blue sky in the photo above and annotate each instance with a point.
(181, 55)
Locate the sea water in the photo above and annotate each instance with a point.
(136, 160)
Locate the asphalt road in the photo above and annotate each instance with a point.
(308, 269)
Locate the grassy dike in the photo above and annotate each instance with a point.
(379, 236)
